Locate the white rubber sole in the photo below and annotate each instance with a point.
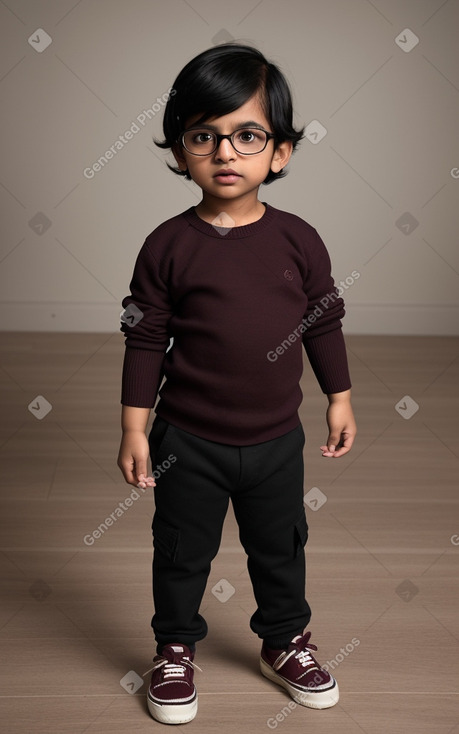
(313, 700)
(173, 714)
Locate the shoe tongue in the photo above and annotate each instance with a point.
(177, 648)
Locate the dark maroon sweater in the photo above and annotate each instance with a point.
(239, 304)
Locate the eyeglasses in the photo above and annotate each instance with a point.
(247, 141)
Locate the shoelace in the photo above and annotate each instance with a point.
(305, 658)
(173, 670)
(300, 652)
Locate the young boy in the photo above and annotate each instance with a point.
(240, 286)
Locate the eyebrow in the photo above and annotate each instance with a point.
(241, 125)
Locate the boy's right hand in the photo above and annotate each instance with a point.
(133, 457)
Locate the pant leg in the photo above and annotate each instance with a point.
(270, 513)
(191, 498)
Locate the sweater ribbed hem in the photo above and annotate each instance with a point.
(219, 431)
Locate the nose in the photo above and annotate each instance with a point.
(225, 151)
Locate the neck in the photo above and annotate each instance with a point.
(234, 212)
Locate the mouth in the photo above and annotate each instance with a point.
(227, 176)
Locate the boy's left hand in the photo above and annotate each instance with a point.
(341, 425)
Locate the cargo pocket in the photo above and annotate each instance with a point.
(165, 538)
(301, 534)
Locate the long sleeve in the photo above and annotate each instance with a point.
(145, 325)
(328, 359)
(323, 338)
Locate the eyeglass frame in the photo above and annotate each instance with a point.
(219, 138)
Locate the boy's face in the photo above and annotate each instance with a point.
(250, 170)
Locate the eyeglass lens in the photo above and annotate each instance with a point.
(204, 142)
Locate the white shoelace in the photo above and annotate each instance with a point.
(303, 656)
(173, 670)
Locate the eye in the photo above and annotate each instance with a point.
(250, 137)
(202, 137)
(246, 136)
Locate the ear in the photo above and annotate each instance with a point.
(281, 156)
(177, 150)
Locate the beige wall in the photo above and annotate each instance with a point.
(391, 148)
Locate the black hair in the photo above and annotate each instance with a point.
(219, 81)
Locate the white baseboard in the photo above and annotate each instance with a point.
(67, 317)
(402, 319)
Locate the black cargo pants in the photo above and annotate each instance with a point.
(196, 480)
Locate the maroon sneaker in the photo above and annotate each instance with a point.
(296, 670)
(172, 696)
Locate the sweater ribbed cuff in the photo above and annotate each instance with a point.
(328, 359)
(142, 373)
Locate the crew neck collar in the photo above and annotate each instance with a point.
(233, 233)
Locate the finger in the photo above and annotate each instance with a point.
(141, 469)
(145, 481)
(127, 468)
(343, 447)
(333, 443)
(340, 452)
(346, 445)
(130, 478)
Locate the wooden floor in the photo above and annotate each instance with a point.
(382, 557)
